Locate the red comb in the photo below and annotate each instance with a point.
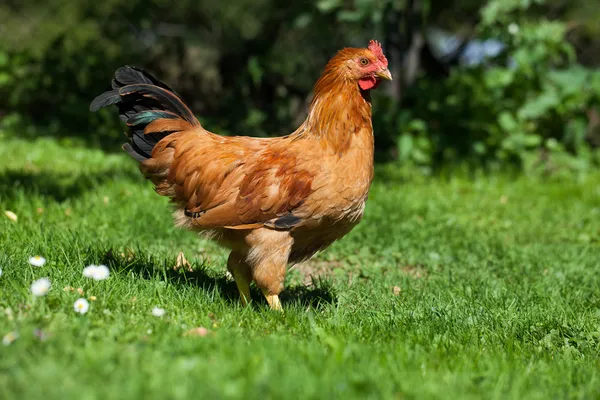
(375, 48)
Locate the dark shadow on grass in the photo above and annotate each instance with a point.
(148, 267)
(58, 186)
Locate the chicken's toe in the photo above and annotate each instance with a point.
(273, 301)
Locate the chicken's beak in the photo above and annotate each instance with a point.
(384, 74)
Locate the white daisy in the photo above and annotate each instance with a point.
(40, 287)
(37, 261)
(158, 312)
(96, 272)
(81, 306)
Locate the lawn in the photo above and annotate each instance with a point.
(487, 287)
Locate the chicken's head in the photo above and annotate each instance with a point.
(367, 66)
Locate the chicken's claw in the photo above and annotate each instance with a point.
(273, 301)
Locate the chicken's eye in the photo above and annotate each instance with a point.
(364, 61)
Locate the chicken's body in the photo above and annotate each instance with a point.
(324, 194)
(273, 202)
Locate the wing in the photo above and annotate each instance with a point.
(234, 182)
(277, 185)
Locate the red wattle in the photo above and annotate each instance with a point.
(367, 83)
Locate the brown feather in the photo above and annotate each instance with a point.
(167, 125)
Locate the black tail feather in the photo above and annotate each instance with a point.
(133, 153)
(105, 100)
(142, 99)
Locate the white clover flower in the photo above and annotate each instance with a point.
(81, 306)
(37, 261)
(513, 28)
(96, 272)
(158, 312)
(40, 287)
(88, 271)
(102, 273)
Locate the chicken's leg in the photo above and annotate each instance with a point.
(241, 274)
(268, 255)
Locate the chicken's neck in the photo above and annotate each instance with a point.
(339, 116)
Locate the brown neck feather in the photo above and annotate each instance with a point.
(339, 110)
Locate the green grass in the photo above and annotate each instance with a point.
(499, 293)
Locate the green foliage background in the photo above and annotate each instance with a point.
(247, 68)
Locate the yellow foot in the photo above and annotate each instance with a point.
(243, 287)
(273, 301)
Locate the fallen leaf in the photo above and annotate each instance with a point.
(11, 215)
(182, 262)
(40, 210)
(200, 331)
(128, 254)
(414, 271)
(80, 291)
(396, 290)
(105, 199)
(68, 212)
(503, 199)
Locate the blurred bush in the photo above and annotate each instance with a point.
(494, 82)
(530, 104)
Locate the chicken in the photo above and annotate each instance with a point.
(273, 202)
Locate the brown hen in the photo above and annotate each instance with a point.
(273, 202)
